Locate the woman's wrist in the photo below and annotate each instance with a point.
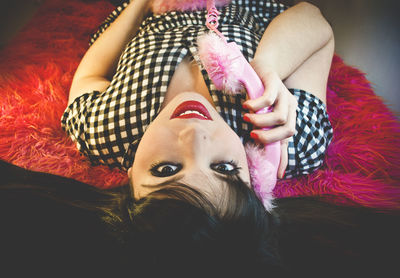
(264, 68)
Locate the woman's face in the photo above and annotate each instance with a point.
(188, 142)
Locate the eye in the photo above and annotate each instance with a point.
(226, 168)
(165, 169)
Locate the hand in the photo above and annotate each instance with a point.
(282, 120)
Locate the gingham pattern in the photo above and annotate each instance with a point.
(107, 126)
(313, 134)
(264, 11)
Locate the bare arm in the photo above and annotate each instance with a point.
(291, 38)
(295, 51)
(99, 63)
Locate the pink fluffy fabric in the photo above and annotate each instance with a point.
(260, 169)
(216, 59)
(36, 70)
(162, 6)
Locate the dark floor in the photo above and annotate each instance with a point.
(367, 34)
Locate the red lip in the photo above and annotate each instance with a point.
(191, 105)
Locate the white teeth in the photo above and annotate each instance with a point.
(192, 112)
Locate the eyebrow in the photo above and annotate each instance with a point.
(177, 178)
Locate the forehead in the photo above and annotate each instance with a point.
(215, 189)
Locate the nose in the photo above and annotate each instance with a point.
(194, 140)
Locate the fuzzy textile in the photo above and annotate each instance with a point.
(36, 70)
(161, 6)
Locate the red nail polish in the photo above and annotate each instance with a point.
(245, 106)
(253, 135)
(246, 118)
(284, 172)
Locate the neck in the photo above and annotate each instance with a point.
(187, 78)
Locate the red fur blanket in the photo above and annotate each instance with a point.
(36, 69)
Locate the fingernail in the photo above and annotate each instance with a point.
(284, 172)
(244, 105)
(253, 135)
(246, 118)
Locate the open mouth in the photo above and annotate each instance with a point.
(191, 110)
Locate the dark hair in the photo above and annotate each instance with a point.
(178, 229)
(320, 238)
(53, 223)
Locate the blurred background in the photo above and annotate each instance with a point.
(367, 35)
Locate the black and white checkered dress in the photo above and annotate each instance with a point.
(107, 126)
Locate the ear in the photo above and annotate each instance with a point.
(130, 176)
(130, 173)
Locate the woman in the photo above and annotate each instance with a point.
(142, 68)
(57, 225)
(192, 211)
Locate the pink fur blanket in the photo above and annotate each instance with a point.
(362, 163)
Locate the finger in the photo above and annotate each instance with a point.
(281, 108)
(284, 158)
(277, 133)
(261, 121)
(272, 135)
(278, 116)
(267, 99)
